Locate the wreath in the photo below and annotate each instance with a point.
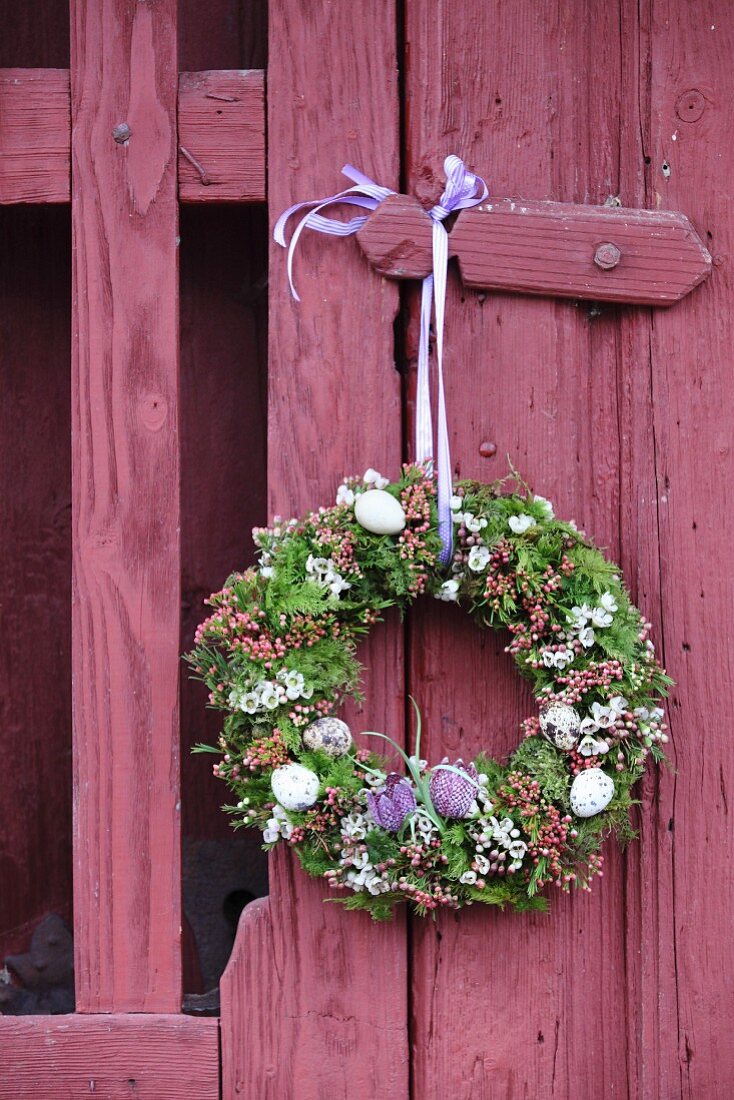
(278, 655)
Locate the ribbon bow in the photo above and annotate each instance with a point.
(463, 189)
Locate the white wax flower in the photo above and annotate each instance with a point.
(522, 523)
(449, 591)
(478, 558)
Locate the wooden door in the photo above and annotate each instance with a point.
(621, 415)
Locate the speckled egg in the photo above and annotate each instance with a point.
(329, 735)
(561, 724)
(295, 787)
(591, 792)
(379, 512)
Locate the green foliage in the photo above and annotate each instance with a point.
(540, 760)
(380, 907)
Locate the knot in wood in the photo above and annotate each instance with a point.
(607, 256)
(690, 106)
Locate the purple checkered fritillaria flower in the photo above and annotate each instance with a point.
(390, 806)
(452, 794)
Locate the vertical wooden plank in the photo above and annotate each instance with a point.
(682, 972)
(333, 1021)
(125, 469)
(530, 96)
(652, 1011)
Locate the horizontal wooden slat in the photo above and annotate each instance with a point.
(34, 135)
(221, 135)
(149, 1057)
(221, 124)
(547, 248)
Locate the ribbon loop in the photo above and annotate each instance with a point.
(463, 189)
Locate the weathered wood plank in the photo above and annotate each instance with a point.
(686, 892)
(151, 1057)
(506, 1005)
(35, 139)
(221, 135)
(244, 972)
(642, 257)
(562, 250)
(125, 470)
(334, 1023)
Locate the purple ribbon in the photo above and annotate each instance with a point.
(463, 189)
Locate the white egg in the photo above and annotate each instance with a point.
(329, 735)
(379, 512)
(295, 787)
(591, 792)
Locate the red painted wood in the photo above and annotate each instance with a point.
(547, 248)
(34, 135)
(112, 1056)
(243, 1075)
(125, 470)
(684, 983)
(397, 238)
(507, 1005)
(35, 571)
(553, 248)
(221, 136)
(334, 1022)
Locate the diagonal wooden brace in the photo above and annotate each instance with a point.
(611, 254)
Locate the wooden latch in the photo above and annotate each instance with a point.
(612, 254)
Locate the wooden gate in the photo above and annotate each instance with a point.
(621, 415)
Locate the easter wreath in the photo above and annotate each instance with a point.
(278, 654)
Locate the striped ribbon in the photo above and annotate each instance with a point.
(463, 189)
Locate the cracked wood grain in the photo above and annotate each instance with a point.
(115, 1056)
(685, 891)
(542, 380)
(34, 135)
(339, 982)
(125, 488)
(221, 128)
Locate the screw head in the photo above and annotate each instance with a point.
(607, 256)
(488, 450)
